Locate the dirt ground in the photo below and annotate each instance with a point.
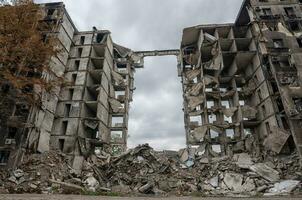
(73, 197)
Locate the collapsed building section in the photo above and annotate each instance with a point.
(90, 110)
(242, 81)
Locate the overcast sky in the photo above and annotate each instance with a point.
(156, 115)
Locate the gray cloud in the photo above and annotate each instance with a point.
(156, 115)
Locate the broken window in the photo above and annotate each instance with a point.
(241, 102)
(116, 135)
(290, 12)
(82, 40)
(247, 131)
(267, 11)
(117, 121)
(216, 148)
(227, 119)
(61, 144)
(100, 37)
(70, 93)
(64, 127)
(67, 109)
(196, 119)
(259, 94)
(230, 133)
(50, 12)
(212, 118)
(278, 43)
(76, 65)
(4, 157)
(263, 110)
(119, 94)
(299, 40)
(225, 103)
(80, 51)
(209, 89)
(214, 134)
(294, 26)
(73, 78)
(12, 131)
(268, 128)
(222, 89)
(210, 104)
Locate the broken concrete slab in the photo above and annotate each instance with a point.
(266, 172)
(283, 187)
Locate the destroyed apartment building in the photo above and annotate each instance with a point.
(242, 81)
(84, 115)
(241, 88)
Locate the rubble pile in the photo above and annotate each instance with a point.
(143, 171)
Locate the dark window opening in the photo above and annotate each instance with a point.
(73, 78)
(278, 43)
(82, 40)
(80, 51)
(263, 111)
(77, 65)
(64, 127)
(12, 131)
(61, 144)
(279, 104)
(299, 40)
(294, 26)
(290, 12)
(67, 110)
(50, 12)
(4, 157)
(70, 95)
(100, 37)
(274, 87)
(268, 128)
(267, 11)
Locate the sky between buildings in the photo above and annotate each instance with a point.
(156, 115)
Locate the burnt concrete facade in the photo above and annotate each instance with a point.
(242, 81)
(90, 110)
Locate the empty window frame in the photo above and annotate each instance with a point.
(64, 127)
(117, 121)
(61, 144)
(278, 43)
(210, 104)
(82, 40)
(119, 93)
(225, 103)
(241, 102)
(4, 157)
(214, 134)
(227, 119)
(212, 118)
(116, 135)
(247, 131)
(216, 148)
(12, 132)
(80, 51)
(230, 133)
(209, 89)
(197, 119)
(67, 109)
(74, 78)
(290, 12)
(76, 65)
(267, 11)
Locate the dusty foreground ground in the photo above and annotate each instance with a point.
(73, 197)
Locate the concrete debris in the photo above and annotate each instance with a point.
(283, 187)
(266, 172)
(277, 140)
(144, 171)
